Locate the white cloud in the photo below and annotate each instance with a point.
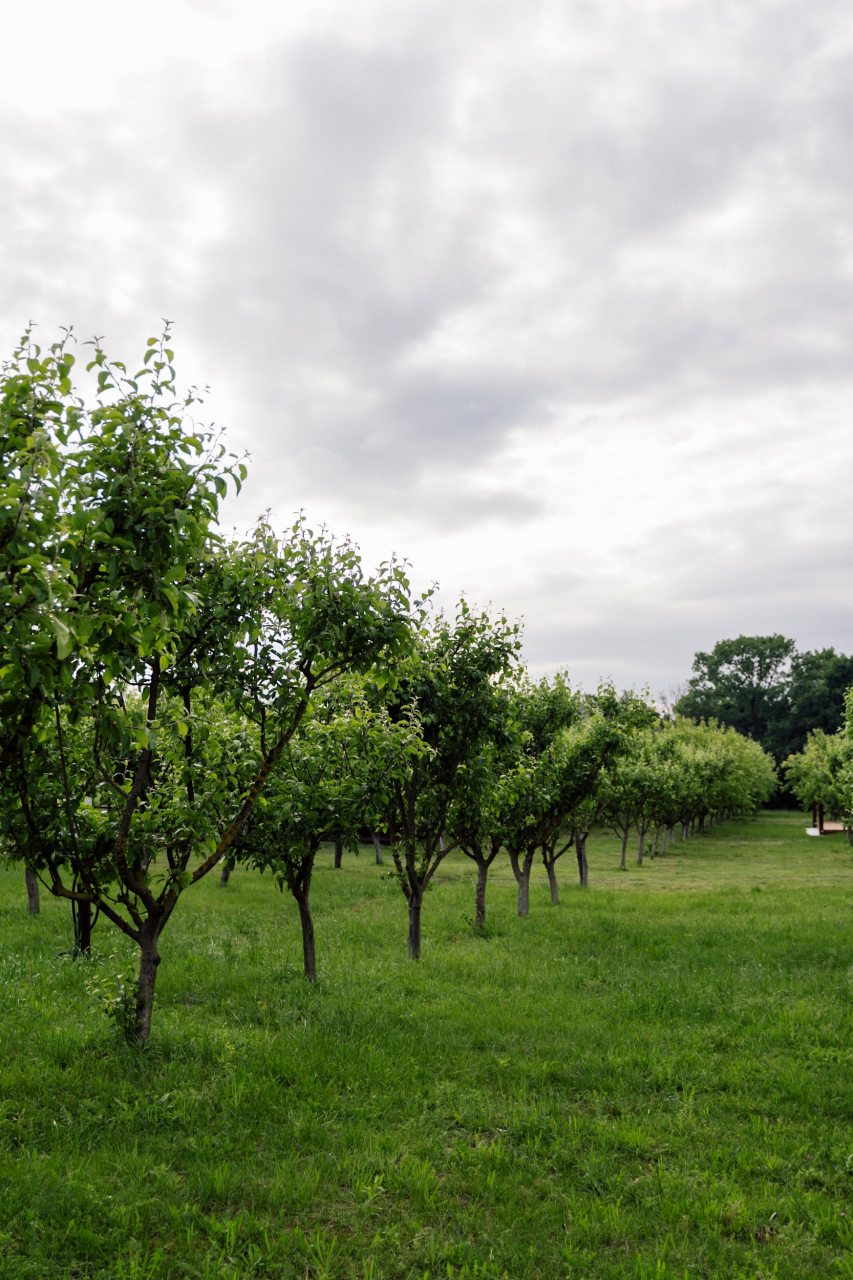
(554, 298)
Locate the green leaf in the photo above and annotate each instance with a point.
(64, 639)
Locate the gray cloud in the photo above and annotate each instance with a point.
(683, 588)
(417, 249)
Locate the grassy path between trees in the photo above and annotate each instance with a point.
(652, 1079)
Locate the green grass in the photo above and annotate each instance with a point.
(650, 1080)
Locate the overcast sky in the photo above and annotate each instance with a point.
(553, 299)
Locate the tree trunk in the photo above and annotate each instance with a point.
(82, 915)
(482, 876)
(226, 873)
(148, 963)
(377, 844)
(521, 871)
(583, 865)
(339, 852)
(309, 955)
(641, 843)
(551, 868)
(415, 904)
(655, 843)
(32, 891)
(623, 865)
(524, 892)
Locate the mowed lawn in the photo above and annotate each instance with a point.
(652, 1079)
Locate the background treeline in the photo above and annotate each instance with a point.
(172, 702)
(763, 687)
(796, 705)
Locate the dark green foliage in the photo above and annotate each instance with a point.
(764, 688)
(742, 683)
(818, 684)
(36, 588)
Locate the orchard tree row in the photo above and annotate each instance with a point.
(682, 775)
(173, 702)
(498, 767)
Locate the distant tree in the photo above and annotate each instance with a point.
(616, 724)
(551, 797)
(821, 774)
(337, 767)
(743, 683)
(533, 797)
(620, 800)
(631, 787)
(474, 817)
(452, 683)
(586, 748)
(819, 680)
